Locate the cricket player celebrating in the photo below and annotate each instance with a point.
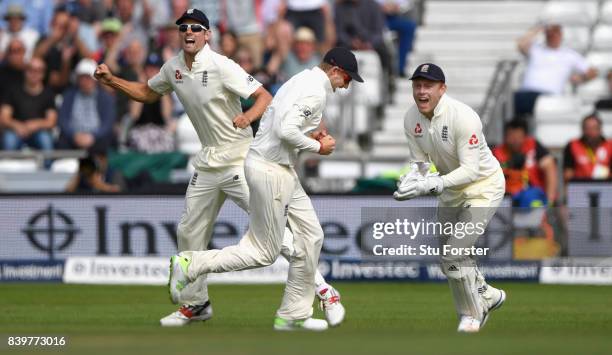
(209, 86)
(448, 133)
(288, 126)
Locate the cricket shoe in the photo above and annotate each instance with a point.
(493, 299)
(468, 324)
(186, 314)
(178, 276)
(329, 302)
(310, 324)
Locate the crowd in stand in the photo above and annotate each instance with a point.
(50, 48)
(530, 169)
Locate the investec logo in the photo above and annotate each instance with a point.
(52, 230)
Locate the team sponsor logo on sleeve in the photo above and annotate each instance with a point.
(178, 77)
(418, 131)
(305, 112)
(250, 80)
(445, 133)
(473, 141)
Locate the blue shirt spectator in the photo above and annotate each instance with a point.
(39, 13)
(87, 114)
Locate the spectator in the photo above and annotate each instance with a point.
(168, 41)
(405, 28)
(314, 14)
(29, 114)
(360, 25)
(92, 176)
(550, 66)
(590, 156)
(241, 19)
(278, 35)
(606, 104)
(13, 67)
(131, 69)
(152, 126)
(39, 16)
(88, 11)
(62, 49)
(135, 24)
(17, 28)
(303, 56)
(87, 114)
(529, 168)
(229, 44)
(90, 14)
(110, 37)
(160, 11)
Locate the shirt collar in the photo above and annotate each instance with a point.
(441, 106)
(199, 57)
(324, 79)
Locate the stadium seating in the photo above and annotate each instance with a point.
(571, 13)
(605, 13)
(602, 38)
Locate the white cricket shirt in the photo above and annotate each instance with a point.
(549, 69)
(295, 111)
(453, 141)
(210, 93)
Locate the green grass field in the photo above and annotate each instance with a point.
(382, 318)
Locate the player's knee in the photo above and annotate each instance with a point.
(287, 250)
(268, 256)
(317, 238)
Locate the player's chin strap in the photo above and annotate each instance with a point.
(418, 181)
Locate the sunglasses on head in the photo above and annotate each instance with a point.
(195, 27)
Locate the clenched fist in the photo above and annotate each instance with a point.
(241, 121)
(103, 74)
(328, 144)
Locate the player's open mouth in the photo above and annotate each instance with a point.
(423, 100)
(189, 40)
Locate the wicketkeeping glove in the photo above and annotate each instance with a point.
(418, 186)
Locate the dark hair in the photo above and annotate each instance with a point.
(516, 123)
(593, 116)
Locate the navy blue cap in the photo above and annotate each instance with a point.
(429, 71)
(154, 59)
(345, 60)
(196, 15)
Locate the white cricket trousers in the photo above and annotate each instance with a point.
(276, 196)
(475, 205)
(207, 191)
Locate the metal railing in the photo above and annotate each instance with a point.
(39, 156)
(498, 104)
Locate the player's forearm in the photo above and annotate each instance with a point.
(461, 176)
(135, 91)
(295, 138)
(262, 100)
